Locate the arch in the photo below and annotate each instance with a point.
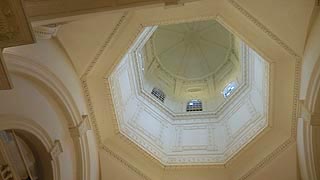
(24, 125)
(308, 139)
(313, 90)
(47, 80)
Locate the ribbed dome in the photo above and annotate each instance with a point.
(192, 50)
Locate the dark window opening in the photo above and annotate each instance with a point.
(156, 92)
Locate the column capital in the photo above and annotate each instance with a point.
(56, 149)
(82, 128)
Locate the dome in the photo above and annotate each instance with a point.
(191, 61)
(201, 117)
(193, 50)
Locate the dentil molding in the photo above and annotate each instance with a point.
(267, 31)
(46, 32)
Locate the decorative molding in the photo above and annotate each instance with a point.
(264, 28)
(305, 149)
(82, 128)
(14, 26)
(151, 143)
(304, 113)
(43, 75)
(290, 141)
(267, 159)
(39, 72)
(46, 32)
(13, 121)
(210, 146)
(126, 163)
(296, 90)
(105, 44)
(177, 116)
(56, 149)
(295, 106)
(91, 113)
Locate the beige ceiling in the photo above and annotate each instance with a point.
(275, 40)
(283, 108)
(82, 39)
(295, 13)
(289, 19)
(192, 50)
(275, 170)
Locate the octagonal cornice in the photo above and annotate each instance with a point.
(127, 68)
(271, 41)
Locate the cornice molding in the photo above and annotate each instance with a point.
(46, 32)
(84, 76)
(267, 159)
(296, 90)
(94, 123)
(262, 27)
(105, 45)
(125, 163)
(135, 132)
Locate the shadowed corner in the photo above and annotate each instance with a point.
(5, 82)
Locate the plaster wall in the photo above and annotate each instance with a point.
(48, 91)
(29, 100)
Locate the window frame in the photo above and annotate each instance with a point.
(194, 105)
(159, 94)
(229, 89)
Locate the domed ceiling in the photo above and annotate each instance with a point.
(233, 92)
(192, 51)
(191, 61)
